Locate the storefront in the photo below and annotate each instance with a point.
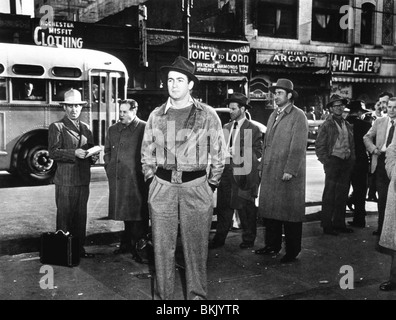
(222, 67)
(309, 71)
(362, 77)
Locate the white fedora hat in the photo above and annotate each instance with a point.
(73, 96)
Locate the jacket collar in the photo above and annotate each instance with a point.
(165, 107)
(130, 126)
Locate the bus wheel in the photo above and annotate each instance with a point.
(35, 165)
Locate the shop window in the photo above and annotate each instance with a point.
(277, 18)
(59, 87)
(326, 19)
(367, 24)
(28, 89)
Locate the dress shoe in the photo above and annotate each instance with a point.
(357, 224)
(215, 244)
(330, 231)
(343, 230)
(373, 199)
(376, 233)
(286, 259)
(87, 255)
(350, 204)
(388, 286)
(266, 251)
(246, 245)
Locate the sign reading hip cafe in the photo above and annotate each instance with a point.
(215, 58)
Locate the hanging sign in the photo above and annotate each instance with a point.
(220, 58)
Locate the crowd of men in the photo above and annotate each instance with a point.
(165, 171)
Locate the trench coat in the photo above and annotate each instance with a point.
(127, 190)
(388, 234)
(284, 151)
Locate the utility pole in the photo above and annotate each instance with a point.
(186, 7)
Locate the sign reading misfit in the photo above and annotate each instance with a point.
(57, 33)
(220, 58)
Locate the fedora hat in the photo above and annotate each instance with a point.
(335, 98)
(238, 98)
(73, 96)
(182, 65)
(284, 84)
(356, 106)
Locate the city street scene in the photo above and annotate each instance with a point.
(218, 150)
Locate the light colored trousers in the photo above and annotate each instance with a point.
(191, 204)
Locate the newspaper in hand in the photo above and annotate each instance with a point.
(92, 151)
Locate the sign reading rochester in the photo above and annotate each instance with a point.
(57, 33)
(215, 58)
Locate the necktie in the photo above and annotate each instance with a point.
(390, 134)
(233, 132)
(278, 112)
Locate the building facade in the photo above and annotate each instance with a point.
(340, 46)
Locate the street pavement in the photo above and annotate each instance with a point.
(345, 267)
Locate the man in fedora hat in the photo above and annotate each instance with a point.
(282, 188)
(183, 157)
(335, 149)
(377, 140)
(68, 142)
(239, 183)
(359, 176)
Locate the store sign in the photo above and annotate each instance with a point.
(292, 59)
(220, 58)
(355, 64)
(57, 33)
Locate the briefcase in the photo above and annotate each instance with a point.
(59, 248)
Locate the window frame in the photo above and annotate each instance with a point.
(273, 5)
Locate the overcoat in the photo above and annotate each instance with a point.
(127, 190)
(284, 151)
(388, 234)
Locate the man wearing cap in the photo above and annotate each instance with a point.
(359, 174)
(68, 142)
(377, 140)
(183, 158)
(282, 188)
(335, 149)
(239, 183)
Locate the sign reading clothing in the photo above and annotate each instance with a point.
(219, 58)
(58, 33)
(355, 64)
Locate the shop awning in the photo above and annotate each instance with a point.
(220, 78)
(356, 79)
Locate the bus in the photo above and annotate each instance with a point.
(33, 80)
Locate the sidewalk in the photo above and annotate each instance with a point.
(233, 274)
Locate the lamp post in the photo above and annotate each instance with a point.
(186, 7)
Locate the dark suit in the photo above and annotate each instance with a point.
(359, 176)
(72, 176)
(238, 187)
